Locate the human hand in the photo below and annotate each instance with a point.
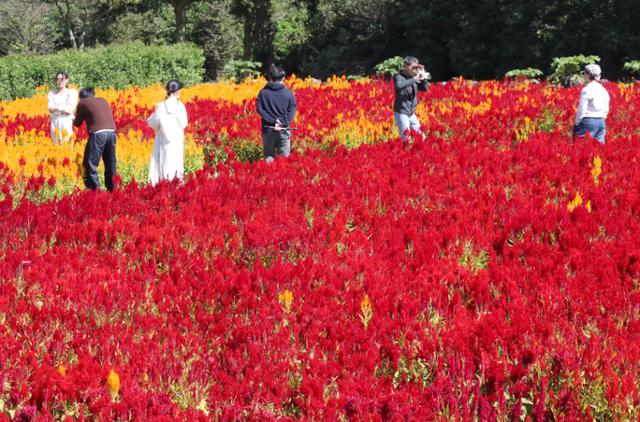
(278, 126)
(415, 71)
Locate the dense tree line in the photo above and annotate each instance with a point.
(478, 39)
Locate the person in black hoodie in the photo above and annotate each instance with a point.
(276, 104)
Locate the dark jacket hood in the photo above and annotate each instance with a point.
(274, 86)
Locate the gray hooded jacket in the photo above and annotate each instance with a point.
(407, 93)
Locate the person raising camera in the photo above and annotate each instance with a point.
(407, 83)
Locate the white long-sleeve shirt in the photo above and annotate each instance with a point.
(594, 102)
(64, 105)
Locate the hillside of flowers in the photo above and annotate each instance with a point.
(490, 271)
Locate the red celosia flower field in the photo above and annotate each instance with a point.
(490, 271)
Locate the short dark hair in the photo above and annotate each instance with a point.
(87, 92)
(275, 73)
(173, 86)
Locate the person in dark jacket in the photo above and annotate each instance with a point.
(276, 104)
(96, 113)
(407, 83)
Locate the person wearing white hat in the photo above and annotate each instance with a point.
(593, 106)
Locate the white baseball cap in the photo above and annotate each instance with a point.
(593, 70)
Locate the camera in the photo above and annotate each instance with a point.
(421, 73)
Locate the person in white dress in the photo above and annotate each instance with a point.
(62, 104)
(169, 121)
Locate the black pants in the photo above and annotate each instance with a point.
(103, 145)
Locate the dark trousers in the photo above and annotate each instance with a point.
(103, 145)
(275, 143)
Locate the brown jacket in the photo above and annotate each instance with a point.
(96, 112)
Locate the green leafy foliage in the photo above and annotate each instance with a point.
(152, 27)
(632, 67)
(389, 67)
(568, 70)
(238, 70)
(244, 150)
(116, 66)
(291, 31)
(527, 73)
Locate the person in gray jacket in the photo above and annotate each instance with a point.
(407, 83)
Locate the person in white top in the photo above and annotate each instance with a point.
(62, 104)
(169, 121)
(593, 106)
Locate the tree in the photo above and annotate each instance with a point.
(180, 10)
(608, 28)
(347, 36)
(152, 26)
(73, 14)
(259, 29)
(25, 27)
(85, 20)
(214, 32)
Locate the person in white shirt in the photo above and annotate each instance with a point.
(593, 106)
(62, 104)
(169, 121)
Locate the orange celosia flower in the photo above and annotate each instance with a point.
(113, 383)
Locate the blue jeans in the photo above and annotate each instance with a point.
(275, 143)
(100, 145)
(405, 123)
(594, 126)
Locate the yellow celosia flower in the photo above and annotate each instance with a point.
(366, 310)
(596, 169)
(576, 202)
(64, 162)
(353, 133)
(62, 370)
(286, 298)
(113, 383)
(627, 91)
